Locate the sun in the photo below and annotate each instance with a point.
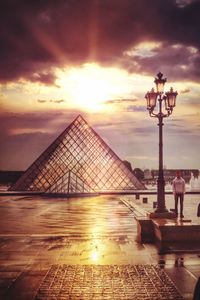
(91, 86)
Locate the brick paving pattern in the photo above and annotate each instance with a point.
(98, 282)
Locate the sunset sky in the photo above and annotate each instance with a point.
(98, 58)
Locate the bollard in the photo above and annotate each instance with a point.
(198, 210)
(137, 196)
(145, 200)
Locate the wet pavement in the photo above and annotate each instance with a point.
(107, 282)
(42, 236)
(190, 206)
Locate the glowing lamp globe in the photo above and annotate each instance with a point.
(170, 100)
(151, 98)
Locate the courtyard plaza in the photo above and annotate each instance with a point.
(87, 248)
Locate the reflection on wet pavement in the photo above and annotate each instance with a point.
(37, 233)
(98, 230)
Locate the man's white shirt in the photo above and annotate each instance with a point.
(178, 185)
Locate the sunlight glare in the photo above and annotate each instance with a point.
(95, 256)
(90, 86)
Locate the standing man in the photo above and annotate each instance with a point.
(178, 186)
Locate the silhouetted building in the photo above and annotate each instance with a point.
(9, 177)
(170, 174)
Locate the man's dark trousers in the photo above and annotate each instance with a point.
(181, 197)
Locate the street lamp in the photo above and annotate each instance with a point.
(169, 100)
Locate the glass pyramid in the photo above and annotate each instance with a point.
(78, 161)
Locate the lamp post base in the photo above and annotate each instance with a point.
(162, 215)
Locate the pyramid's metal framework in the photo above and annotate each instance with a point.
(78, 161)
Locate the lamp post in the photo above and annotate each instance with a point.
(169, 100)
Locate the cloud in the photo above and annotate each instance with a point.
(57, 101)
(127, 105)
(23, 137)
(178, 61)
(183, 3)
(136, 108)
(39, 121)
(113, 124)
(121, 101)
(41, 101)
(45, 77)
(51, 101)
(142, 157)
(27, 147)
(37, 36)
(185, 91)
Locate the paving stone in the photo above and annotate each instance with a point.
(102, 282)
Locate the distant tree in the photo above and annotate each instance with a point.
(128, 165)
(148, 174)
(138, 173)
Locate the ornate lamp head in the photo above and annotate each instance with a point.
(160, 82)
(151, 98)
(170, 99)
